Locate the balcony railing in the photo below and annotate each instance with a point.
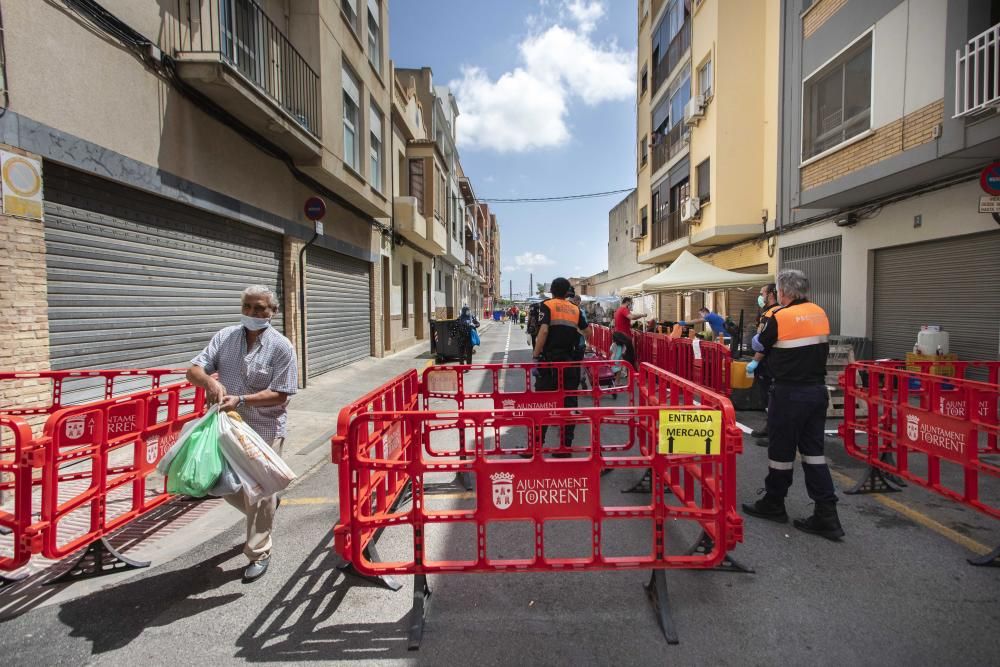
(240, 33)
(668, 146)
(668, 228)
(977, 73)
(679, 45)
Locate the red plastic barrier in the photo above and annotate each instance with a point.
(98, 460)
(931, 430)
(77, 387)
(705, 362)
(94, 459)
(528, 481)
(19, 455)
(388, 439)
(601, 341)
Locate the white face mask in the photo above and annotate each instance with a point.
(255, 323)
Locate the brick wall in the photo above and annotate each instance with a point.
(290, 294)
(913, 130)
(24, 302)
(818, 14)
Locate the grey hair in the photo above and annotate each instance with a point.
(793, 283)
(260, 290)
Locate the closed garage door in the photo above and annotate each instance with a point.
(338, 312)
(820, 260)
(137, 281)
(953, 283)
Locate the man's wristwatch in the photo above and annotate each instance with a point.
(240, 403)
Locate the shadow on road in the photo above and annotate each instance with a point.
(301, 622)
(158, 524)
(166, 597)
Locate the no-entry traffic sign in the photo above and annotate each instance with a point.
(315, 208)
(989, 179)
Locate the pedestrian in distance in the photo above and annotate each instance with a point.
(795, 340)
(624, 316)
(468, 322)
(767, 300)
(560, 325)
(257, 373)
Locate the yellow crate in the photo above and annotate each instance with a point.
(938, 367)
(738, 376)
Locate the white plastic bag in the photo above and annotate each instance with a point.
(259, 467)
(164, 464)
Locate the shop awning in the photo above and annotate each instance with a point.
(688, 274)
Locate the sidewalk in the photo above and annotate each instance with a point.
(179, 526)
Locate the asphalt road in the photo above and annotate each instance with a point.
(896, 590)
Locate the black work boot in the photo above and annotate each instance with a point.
(769, 507)
(824, 522)
(759, 433)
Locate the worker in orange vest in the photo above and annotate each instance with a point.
(795, 341)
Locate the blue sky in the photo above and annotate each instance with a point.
(546, 92)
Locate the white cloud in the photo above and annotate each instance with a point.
(508, 269)
(527, 107)
(586, 14)
(533, 259)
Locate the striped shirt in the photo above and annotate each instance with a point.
(269, 365)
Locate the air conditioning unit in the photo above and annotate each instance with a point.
(637, 233)
(694, 110)
(690, 209)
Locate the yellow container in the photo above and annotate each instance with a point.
(738, 378)
(939, 363)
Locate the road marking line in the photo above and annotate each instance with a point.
(308, 501)
(921, 518)
(744, 428)
(464, 495)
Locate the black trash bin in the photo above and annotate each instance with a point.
(445, 340)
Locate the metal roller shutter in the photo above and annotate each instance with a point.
(820, 260)
(137, 281)
(338, 311)
(954, 283)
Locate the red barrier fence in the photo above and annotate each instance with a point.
(705, 362)
(18, 458)
(682, 436)
(75, 387)
(90, 471)
(386, 440)
(938, 432)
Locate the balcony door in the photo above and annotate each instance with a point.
(243, 38)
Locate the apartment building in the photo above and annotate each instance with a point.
(176, 143)
(707, 142)
(420, 236)
(888, 115)
(441, 112)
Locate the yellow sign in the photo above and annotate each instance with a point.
(690, 432)
(22, 185)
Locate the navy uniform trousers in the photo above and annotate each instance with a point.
(796, 418)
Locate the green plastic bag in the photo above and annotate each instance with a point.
(197, 466)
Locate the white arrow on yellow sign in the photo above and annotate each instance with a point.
(690, 432)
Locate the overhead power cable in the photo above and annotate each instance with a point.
(528, 200)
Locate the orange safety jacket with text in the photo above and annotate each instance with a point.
(796, 342)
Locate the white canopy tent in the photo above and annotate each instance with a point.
(688, 273)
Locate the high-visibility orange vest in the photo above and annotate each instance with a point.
(768, 313)
(801, 324)
(563, 313)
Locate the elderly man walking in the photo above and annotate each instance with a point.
(257, 373)
(795, 342)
